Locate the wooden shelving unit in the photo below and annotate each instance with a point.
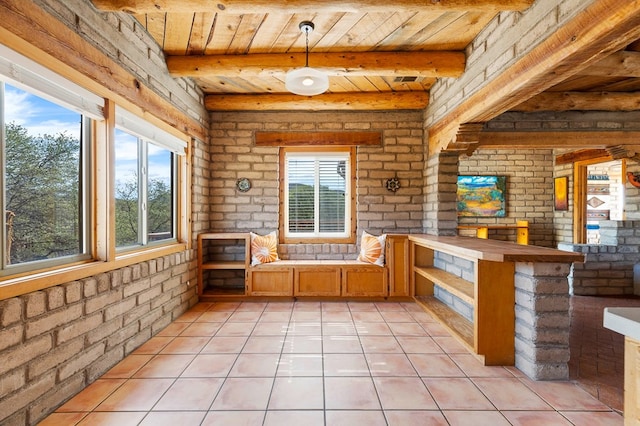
(218, 261)
(491, 293)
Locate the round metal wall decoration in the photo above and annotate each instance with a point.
(392, 184)
(243, 184)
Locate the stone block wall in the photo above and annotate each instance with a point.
(122, 38)
(441, 174)
(234, 155)
(542, 320)
(55, 342)
(509, 37)
(529, 191)
(609, 267)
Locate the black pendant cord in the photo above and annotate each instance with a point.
(307, 47)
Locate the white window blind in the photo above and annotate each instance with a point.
(317, 194)
(26, 74)
(145, 130)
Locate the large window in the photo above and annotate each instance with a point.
(63, 206)
(317, 194)
(46, 128)
(146, 175)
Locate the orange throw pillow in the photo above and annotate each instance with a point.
(264, 248)
(372, 248)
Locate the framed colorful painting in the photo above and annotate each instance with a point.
(482, 196)
(560, 194)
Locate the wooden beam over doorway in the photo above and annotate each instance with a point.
(581, 101)
(561, 139)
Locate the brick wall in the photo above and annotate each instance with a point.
(440, 215)
(55, 342)
(572, 121)
(542, 320)
(234, 155)
(121, 37)
(529, 191)
(609, 267)
(509, 37)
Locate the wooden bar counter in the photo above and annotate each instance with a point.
(479, 272)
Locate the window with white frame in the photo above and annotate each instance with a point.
(317, 194)
(45, 147)
(145, 182)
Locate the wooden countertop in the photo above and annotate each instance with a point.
(494, 250)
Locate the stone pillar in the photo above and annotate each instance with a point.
(440, 215)
(542, 320)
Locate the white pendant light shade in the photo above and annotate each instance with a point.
(306, 81)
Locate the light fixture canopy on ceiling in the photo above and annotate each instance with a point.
(306, 81)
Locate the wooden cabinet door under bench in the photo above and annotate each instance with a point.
(318, 278)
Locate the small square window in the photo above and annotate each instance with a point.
(317, 194)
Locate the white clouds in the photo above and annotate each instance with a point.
(38, 115)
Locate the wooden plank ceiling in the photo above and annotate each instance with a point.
(379, 55)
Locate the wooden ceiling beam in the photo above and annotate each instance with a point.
(619, 64)
(561, 139)
(420, 64)
(602, 28)
(327, 102)
(581, 101)
(580, 155)
(305, 6)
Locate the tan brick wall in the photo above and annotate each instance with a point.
(235, 155)
(509, 37)
(529, 191)
(55, 342)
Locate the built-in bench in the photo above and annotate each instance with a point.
(318, 278)
(227, 258)
(334, 278)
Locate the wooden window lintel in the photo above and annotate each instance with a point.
(317, 138)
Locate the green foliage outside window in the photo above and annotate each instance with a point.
(42, 190)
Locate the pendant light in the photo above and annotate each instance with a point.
(306, 81)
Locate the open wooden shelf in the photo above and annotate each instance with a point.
(223, 265)
(241, 239)
(491, 294)
(458, 325)
(222, 291)
(455, 285)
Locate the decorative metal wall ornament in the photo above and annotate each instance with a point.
(634, 179)
(392, 184)
(243, 184)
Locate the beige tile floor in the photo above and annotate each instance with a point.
(317, 363)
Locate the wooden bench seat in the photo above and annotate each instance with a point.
(330, 278)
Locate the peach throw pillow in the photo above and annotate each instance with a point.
(264, 248)
(372, 248)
